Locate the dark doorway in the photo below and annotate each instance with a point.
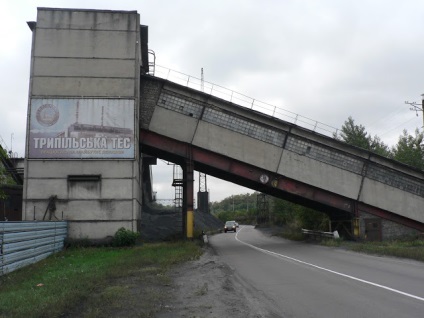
(11, 207)
(372, 229)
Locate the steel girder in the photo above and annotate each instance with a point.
(260, 179)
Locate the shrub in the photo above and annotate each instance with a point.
(124, 237)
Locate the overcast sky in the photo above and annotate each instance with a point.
(326, 60)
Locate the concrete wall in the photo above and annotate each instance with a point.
(285, 149)
(389, 229)
(86, 54)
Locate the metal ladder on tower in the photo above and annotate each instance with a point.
(178, 184)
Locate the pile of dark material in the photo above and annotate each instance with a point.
(161, 225)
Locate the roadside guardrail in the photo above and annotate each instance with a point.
(316, 234)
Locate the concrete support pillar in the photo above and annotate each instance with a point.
(189, 198)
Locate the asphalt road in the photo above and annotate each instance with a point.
(303, 280)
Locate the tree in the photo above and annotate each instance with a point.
(356, 135)
(379, 147)
(353, 134)
(5, 177)
(239, 207)
(410, 149)
(297, 216)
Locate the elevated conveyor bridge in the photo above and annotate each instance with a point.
(220, 138)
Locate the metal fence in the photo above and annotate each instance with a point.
(24, 243)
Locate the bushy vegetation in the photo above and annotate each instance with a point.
(241, 208)
(411, 248)
(256, 208)
(160, 206)
(125, 237)
(296, 216)
(5, 177)
(408, 150)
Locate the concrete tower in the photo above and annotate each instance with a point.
(82, 158)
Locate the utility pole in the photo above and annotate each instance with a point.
(11, 144)
(417, 107)
(202, 194)
(202, 80)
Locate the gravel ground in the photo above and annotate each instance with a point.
(205, 288)
(209, 288)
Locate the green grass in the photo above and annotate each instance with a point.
(411, 248)
(292, 235)
(96, 277)
(398, 248)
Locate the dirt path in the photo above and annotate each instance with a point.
(208, 288)
(203, 288)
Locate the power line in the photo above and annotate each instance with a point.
(397, 126)
(389, 115)
(417, 107)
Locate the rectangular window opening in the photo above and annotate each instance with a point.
(84, 177)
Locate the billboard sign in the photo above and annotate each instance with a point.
(81, 128)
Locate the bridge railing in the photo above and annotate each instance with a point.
(243, 100)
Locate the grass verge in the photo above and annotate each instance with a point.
(94, 282)
(408, 248)
(411, 248)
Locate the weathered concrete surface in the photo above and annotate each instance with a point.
(86, 54)
(94, 54)
(285, 151)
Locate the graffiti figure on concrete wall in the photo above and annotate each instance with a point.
(51, 208)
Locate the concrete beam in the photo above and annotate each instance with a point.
(257, 178)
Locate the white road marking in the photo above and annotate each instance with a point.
(328, 270)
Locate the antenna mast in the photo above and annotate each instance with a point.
(202, 86)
